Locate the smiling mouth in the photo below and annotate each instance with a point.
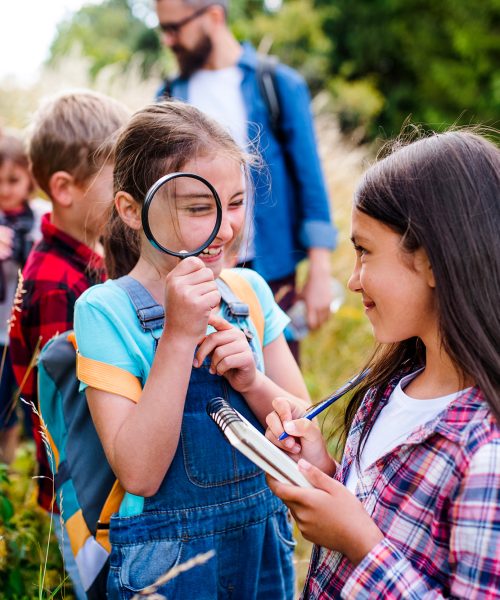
(211, 252)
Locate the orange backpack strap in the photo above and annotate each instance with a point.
(111, 379)
(110, 507)
(108, 378)
(245, 292)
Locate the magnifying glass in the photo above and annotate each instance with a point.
(181, 214)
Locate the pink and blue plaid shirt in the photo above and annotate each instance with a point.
(436, 498)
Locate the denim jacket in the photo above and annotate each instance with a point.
(293, 214)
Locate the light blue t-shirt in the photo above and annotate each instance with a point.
(108, 330)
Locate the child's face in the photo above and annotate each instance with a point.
(15, 185)
(397, 288)
(226, 176)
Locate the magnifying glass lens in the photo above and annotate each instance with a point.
(183, 214)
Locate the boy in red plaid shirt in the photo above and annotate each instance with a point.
(69, 149)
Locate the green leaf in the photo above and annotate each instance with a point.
(6, 509)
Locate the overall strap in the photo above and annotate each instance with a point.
(238, 310)
(151, 315)
(243, 290)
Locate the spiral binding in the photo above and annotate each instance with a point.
(222, 413)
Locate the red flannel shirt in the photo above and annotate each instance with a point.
(436, 499)
(58, 270)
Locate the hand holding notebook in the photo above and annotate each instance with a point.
(243, 436)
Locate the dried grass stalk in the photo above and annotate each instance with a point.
(150, 591)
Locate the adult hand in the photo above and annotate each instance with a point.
(328, 514)
(317, 292)
(191, 294)
(305, 441)
(231, 354)
(6, 240)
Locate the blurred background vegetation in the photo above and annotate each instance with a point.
(376, 61)
(371, 65)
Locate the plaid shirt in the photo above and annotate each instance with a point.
(436, 499)
(58, 270)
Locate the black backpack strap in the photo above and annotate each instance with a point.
(166, 92)
(151, 315)
(266, 78)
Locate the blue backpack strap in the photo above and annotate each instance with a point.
(151, 315)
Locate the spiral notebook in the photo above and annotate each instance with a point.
(253, 444)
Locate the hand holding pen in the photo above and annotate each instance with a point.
(314, 411)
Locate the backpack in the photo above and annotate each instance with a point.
(86, 489)
(266, 79)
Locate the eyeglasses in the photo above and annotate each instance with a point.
(174, 28)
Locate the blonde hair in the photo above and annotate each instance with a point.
(73, 132)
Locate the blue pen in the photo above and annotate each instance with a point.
(315, 410)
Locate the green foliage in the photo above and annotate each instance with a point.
(107, 34)
(356, 103)
(437, 61)
(378, 60)
(30, 562)
(294, 34)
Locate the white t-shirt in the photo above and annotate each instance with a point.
(396, 421)
(218, 94)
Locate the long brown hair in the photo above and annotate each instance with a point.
(158, 139)
(441, 193)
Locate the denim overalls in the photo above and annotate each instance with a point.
(212, 498)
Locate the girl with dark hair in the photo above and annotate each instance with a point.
(413, 510)
(187, 491)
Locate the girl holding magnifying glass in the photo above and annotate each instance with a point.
(187, 491)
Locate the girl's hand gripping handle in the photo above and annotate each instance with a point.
(191, 294)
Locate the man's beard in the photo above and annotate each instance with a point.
(194, 59)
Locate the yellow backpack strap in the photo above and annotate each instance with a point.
(245, 292)
(118, 381)
(108, 378)
(110, 507)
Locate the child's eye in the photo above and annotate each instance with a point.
(237, 203)
(360, 251)
(199, 209)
